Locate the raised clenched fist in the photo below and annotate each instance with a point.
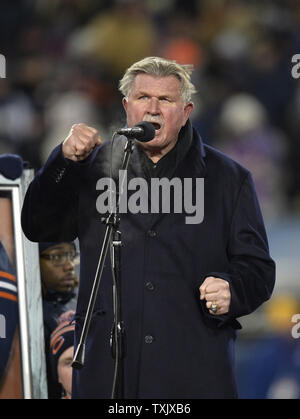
(80, 142)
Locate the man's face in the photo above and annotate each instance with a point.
(64, 370)
(158, 100)
(58, 278)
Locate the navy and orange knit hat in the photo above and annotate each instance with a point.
(61, 339)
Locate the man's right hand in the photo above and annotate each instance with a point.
(80, 142)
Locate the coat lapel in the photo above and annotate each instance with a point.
(189, 169)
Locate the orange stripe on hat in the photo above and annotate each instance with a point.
(57, 336)
(61, 329)
(8, 276)
(8, 296)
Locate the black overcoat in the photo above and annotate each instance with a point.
(174, 347)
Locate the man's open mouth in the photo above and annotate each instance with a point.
(156, 125)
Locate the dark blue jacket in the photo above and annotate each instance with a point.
(8, 308)
(174, 347)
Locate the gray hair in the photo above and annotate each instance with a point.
(160, 67)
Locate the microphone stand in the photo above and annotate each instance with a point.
(117, 340)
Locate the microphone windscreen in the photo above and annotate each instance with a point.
(149, 131)
(11, 166)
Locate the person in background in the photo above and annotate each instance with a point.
(59, 284)
(8, 309)
(11, 167)
(61, 353)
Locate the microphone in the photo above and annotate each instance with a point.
(11, 166)
(143, 131)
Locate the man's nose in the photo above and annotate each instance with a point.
(153, 106)
(69, 265)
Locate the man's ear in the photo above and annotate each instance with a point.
(124, 103)
(188, 109)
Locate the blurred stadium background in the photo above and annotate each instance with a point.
(63, 62)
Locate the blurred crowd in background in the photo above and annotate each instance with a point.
(64, 59)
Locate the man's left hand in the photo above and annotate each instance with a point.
(216, 292)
